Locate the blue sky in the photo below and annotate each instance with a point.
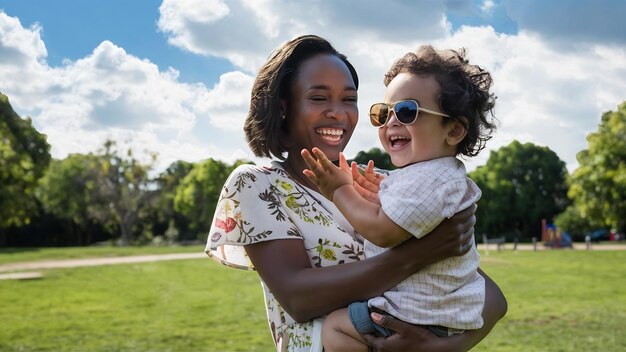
(174, 76)
(73, 28)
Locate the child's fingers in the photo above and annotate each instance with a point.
(322, 159)
(370, 167)
(367, 194)
(371, 175)
(355, 170)
(356, 175)
(310, 175)
(343, 164)
(309, 160)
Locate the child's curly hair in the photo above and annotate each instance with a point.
(464, 93)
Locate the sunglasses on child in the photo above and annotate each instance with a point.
(406, 112)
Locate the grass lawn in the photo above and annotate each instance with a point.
(558, 301)
(184, 305)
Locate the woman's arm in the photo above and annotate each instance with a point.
(414, 338)
(306, 292)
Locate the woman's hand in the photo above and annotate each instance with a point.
(452, 237)
(407, 337)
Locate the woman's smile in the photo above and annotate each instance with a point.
(331, 135)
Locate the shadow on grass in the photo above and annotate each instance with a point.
(13, 250)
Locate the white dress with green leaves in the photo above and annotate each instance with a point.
(263, 204)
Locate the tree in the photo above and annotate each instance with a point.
(163, 215)
(69, 191)
(598, 185)
(197, 194)
(380, 157)
(105, 189)
(574, 223)
(24, 157)
(521, 184)
(123, 186)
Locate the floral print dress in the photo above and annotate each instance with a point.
(263, 204)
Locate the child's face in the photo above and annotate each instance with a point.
(426, 138)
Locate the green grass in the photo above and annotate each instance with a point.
(186, 305)
(559, 300)
(14, 255)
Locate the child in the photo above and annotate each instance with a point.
(436, 107)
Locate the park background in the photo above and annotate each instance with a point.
(119, 122)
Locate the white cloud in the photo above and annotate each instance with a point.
(229, 100)
(253, 28)
(546, 95)
(110, 94)
(21, 46)
(487, 6)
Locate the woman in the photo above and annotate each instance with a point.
(274, 220)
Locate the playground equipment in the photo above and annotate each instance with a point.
(552, 237)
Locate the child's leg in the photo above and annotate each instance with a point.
(338, 333)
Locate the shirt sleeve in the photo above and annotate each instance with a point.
(420, 206)
(249, 210)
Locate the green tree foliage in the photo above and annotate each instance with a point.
(105, 188)
(381, 159)
(165, 219)
(124, 188)
(574, 223)
(24, 157)
(69, 191)
(197, 194)
(521, 184)
(598, 186)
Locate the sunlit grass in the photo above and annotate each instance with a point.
(187, 305)
(559, 300)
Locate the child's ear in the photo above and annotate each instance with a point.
(456, 133)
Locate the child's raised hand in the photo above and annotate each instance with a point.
(368, 183)
(324, 174)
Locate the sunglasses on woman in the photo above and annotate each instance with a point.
(406, 112)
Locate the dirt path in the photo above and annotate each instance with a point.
(24, 270)
(541, 247)
(73, 263)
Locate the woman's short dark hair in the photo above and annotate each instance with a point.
(265, 130)
(464, 93)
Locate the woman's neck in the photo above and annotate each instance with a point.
(294, 168)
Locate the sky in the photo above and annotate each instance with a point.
(174, 76)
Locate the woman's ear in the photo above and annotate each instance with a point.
(285, 137)
(456, 133)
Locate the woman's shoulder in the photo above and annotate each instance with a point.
(252, 171)
(246, 175)
(273, 168)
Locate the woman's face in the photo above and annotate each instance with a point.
(323, 109)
